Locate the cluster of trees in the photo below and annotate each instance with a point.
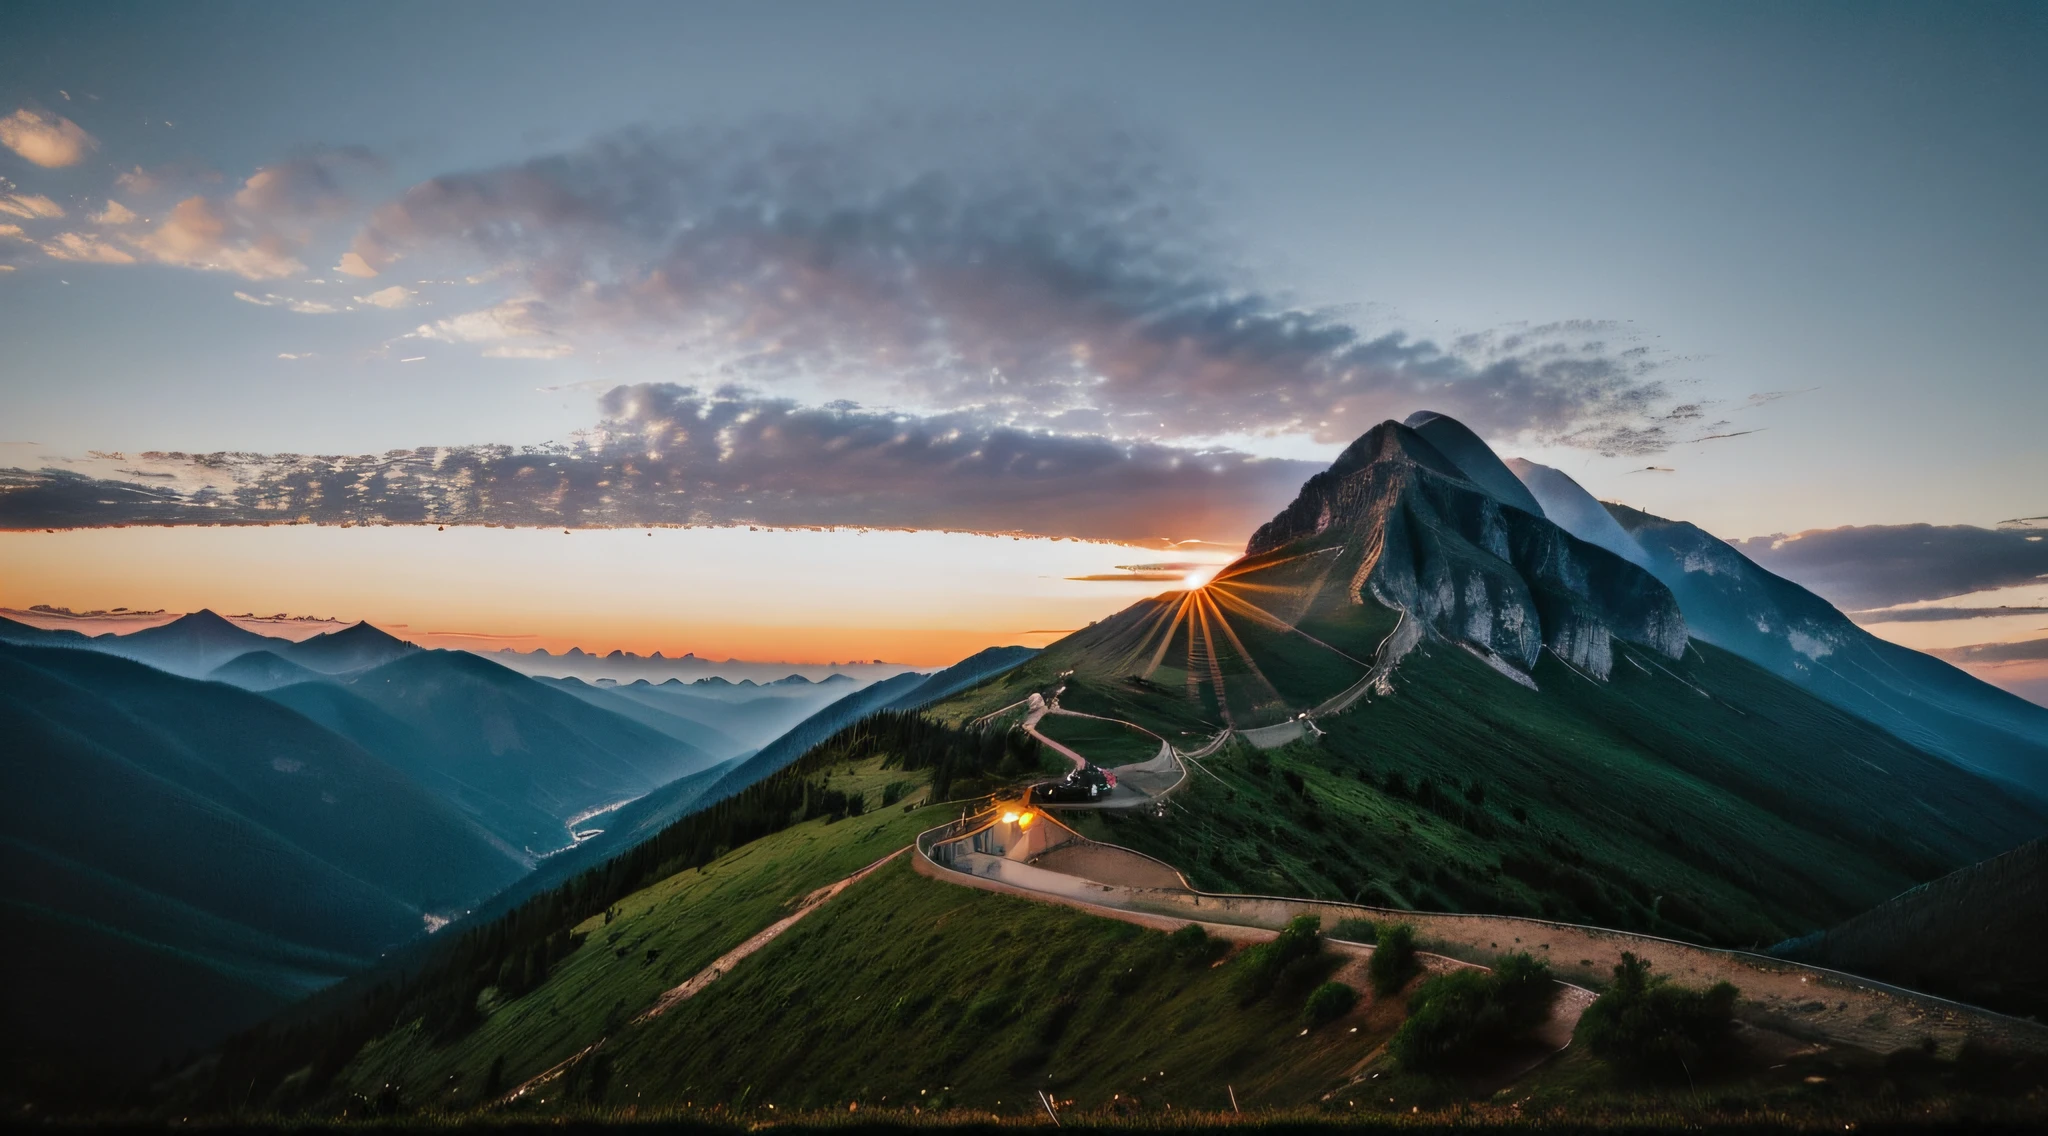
(1288, 965)
(516, 951)
(1393, 960)
(963, 763)
(1653, 1028)
(1456, 1018)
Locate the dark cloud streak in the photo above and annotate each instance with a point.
(670, 455)
(1876, 566)
(1941, 614)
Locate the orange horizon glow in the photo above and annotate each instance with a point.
(804, 598)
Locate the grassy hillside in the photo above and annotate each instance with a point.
(656, 938)
(837, 807)
(1702, 799)
(1104, 743)
(906, 990)
(1977, 934)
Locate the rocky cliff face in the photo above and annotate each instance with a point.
(1468, 566)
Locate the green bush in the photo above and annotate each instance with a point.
(1393, 960)
(1458, 1016)
(895, 791)
(1328, 1002)
(1192, 945)
(1355, 931)
(1291, 961)
(1652, 1028)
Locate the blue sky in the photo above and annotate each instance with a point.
(1693, 205)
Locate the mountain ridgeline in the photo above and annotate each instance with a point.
(184, 857)
(1735, 604)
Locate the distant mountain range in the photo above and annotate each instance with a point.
(184, 856)
(526, 760)
(199, 644)
(204, 644)
(627, 667)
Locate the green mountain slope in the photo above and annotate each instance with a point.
(1977, 934)
(1701, 799)
(1511, 719)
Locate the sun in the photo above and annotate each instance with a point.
(1195, 580)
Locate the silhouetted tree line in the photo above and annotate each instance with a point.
(516, 951)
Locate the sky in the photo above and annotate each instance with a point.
(1124, 272)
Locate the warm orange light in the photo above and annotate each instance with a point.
(1025, 820)
(1009, 818)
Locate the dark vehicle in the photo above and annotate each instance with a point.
(1089, 783)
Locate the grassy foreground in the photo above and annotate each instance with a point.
(654, 939)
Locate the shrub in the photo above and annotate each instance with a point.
(1653, 1028)
(1458, 1016)
(894, 791)
(1328, 1002)
(1290, 961)
(1393, 960)
(1191, 944)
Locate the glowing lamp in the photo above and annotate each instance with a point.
(1009, 818)
(1025, 820)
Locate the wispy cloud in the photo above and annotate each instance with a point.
(49, 140)
(86, 248)
(1049, 269)
(513, 319)
(396, 296)
(30, 206)
(258, 230)
(303, 307)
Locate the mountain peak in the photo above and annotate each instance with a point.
(1439, 536)
(355, 647)
(1390, 440)
(1474, 458)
